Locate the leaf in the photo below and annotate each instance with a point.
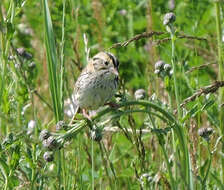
(207, 105)
(4, 168)
(52, 63)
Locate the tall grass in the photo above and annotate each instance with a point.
(221, 73)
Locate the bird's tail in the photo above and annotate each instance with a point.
(70, 107)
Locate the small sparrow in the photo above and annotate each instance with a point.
(96, 84)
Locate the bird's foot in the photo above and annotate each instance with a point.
(85, 114)
(112, 105)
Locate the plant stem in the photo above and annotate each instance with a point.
(92, 160)
(165, 155)
(172, 35)
(208, 169)
(221, 76)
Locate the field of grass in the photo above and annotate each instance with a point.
(169, 135)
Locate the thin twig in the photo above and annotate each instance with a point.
(204, 90)
(149, 35)
(198, 67)
(157, 42)
(191, 37)
(135, 38)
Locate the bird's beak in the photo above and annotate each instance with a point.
(114, 71)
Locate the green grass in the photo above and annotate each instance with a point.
(145, 144)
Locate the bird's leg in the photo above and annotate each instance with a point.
(112, 105)
(85, 114)
(74, 116)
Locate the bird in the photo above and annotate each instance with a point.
(96, 85)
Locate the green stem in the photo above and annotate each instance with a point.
(172, 35)
(208, 169)
(92, 160)
(221, 76)
(165, 155)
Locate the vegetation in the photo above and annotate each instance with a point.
(167, 132)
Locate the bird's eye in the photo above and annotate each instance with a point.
(106, 63)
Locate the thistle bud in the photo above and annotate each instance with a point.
(48, 156)
(157, 71)
(50, 143)
(23, 53)
(159, 65)
(96, 134)
(169, 18)
(167, 67)
(44, 134)
(205, 132)
(60, 125)
(140, 94)
(31, 127)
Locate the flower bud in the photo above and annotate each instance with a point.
(159, 65)
(31, 127)
(60, 125)
(23, 53)
(157, 71)
(171, 72)
(96, 135)
(169, 18)
(123, 12)
(167, 67)
(205, 132)
(50, 143)
(32, 65)
(44, 134)
(48, 156)
(140, 94)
